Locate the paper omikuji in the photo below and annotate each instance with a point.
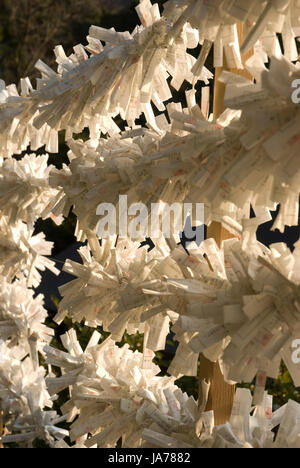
(237, 302)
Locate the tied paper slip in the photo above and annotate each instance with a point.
(241, 9)
(287, 137)
(185, 362)
(240, 419)
(289, 425)
(212, 336)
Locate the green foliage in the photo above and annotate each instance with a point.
(282, 388)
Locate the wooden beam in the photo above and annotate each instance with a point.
(219, 87)
(221, 394)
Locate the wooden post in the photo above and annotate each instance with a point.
(221, 394)
(219, 87)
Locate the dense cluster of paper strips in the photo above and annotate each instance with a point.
(115, 393)
(238, 303)
(25, 191)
